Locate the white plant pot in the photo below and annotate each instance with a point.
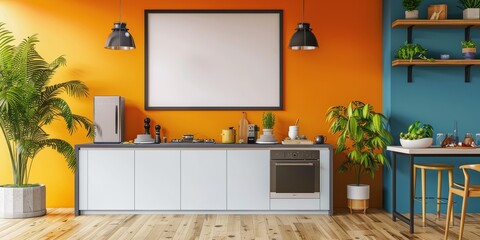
(358, 192)
(267, 136)
(22, 202)
(411, 14)
(267, 131)
(471, 13)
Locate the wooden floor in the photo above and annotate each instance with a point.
(376, 224)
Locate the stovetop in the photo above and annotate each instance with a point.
(198, 140)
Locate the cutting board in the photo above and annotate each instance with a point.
(294, 141)
(243, 128)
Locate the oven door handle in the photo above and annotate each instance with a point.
(294, 164)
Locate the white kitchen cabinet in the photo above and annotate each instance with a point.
(203, 180)
(157, 179)
(248, 180)
(110, 178)
(82, 165)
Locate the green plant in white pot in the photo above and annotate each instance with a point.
(411, 11)
(363, 135)
(28, 103)
(268, 121)
(471, 9)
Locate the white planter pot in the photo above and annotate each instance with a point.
(358, 192)
(267, 136)
(471, 13)
(22, 202)
(267, 131)
(411, 14)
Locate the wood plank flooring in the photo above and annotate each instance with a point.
(376, 224)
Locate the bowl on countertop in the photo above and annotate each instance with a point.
(417, 143)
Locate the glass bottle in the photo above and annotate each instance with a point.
(468, 140)
(439, 139)
(477, 139)
(448, 140)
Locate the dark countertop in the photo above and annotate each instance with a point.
(200, 145)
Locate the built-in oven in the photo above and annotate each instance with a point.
(294, 174)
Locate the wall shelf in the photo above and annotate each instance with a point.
(440, 63)
(409, 24)
(422, 23)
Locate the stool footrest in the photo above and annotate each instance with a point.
(432, 200)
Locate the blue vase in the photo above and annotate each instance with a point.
(469, 55)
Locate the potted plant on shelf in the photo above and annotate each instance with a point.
(411, 6)
(268, 121)
(469, 49)
(471, 9)
(28, 103)
(410, 51)
(363, 135)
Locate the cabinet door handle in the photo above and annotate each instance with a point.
(116, 119)
(293, 164)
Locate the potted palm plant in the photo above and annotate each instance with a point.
(28, 103)
(363, 135)
(411, 6)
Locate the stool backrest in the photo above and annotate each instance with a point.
(474, 167)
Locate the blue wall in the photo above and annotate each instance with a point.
(438, 96)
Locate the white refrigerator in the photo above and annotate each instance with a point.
(109, 119)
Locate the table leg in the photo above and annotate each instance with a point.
(394, 186)
(412, 195)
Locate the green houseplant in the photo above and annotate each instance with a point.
(469, 49)
(410, 51)
(363, 135)
(411, 6)
(28, 103)
(471, 9)
(268, 121)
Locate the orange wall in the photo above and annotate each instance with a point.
(346, 66)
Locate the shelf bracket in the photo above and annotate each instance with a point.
(467, 73)
(409, 34)
(410, 70)
(467, 33)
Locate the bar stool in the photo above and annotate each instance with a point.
(439, 168)
(464, 191)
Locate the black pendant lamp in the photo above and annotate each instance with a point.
(303, 38)
(120, 38)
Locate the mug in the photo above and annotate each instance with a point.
(293, 132)
(320, 139)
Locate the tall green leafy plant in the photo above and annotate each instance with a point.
(268, 120)
(363, 135)
(28, 103)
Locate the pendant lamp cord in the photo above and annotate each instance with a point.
(303, 23)
(120, 11)
(120, 30)
(303, 11)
